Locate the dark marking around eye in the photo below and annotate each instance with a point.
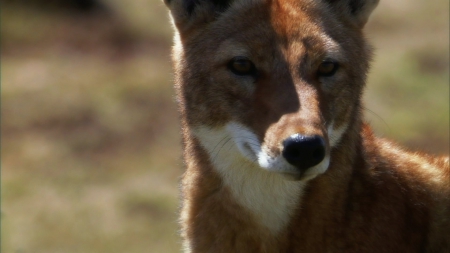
(242, 66)
(327, 68)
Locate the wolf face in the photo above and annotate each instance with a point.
(278, 78)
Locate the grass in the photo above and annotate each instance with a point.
(407, 94)
(91, 150)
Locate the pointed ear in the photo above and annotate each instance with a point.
(358, 11)
(189, 15)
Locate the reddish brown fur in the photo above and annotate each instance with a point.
(374, 197)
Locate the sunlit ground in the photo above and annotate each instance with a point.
(91, 150)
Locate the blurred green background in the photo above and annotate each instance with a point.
(90, 137)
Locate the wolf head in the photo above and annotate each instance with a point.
(281, 79)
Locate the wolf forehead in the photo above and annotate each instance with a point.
(209, 10)
(359, 9)
(209, 22)
(222, 5)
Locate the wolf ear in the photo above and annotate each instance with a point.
(358, 11)
(189, 15)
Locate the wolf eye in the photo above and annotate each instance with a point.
(241, 66)
(327, 68)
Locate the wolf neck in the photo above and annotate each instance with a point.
(268, 197)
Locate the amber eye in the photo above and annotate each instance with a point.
(242, 66)
(327, 68)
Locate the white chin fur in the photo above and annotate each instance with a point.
(238, 156)
(234, 152)
(250, 147)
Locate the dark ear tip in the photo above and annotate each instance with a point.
(189, 5)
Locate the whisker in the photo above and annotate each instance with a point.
(218, 151)
(226, 138)
(378, 116)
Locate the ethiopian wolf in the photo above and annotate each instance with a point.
(278, 157)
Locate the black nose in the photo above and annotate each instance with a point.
(304, 151)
